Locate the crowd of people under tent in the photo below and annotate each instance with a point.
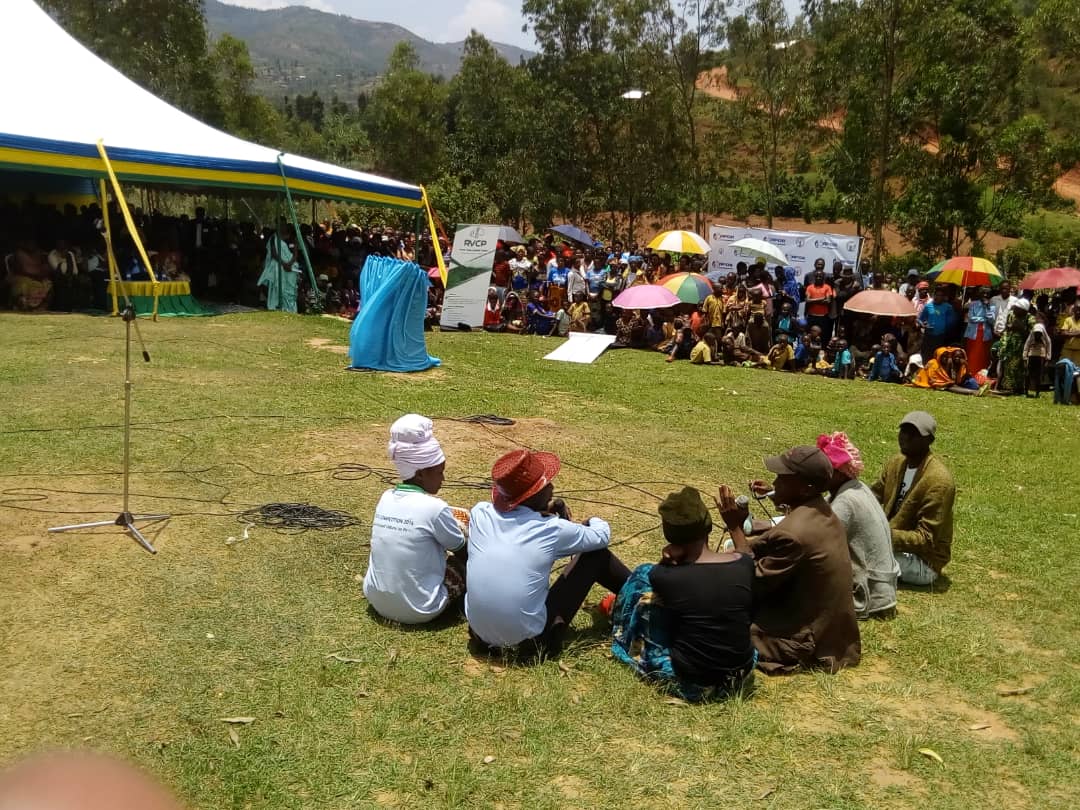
(965, 340)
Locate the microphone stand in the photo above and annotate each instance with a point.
(125, 519)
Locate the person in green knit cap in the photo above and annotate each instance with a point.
(684, 623)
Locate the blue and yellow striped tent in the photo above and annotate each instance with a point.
(59, 100)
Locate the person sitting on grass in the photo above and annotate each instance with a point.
(623, 330)
(704, 351)
(873, 567)
(758, 334)
(917, 492)
(684, 623)
(947, 371)
(843, 365)
(884, 368)
(804, 352)
(781, 356)
(787, 324)
(580, 314)
(513, 542)
(539, 321)
(804, 616)
(409, 578)
(513, 314)
(493, 321)
(746, 353)
(682, 346)
(561, 325)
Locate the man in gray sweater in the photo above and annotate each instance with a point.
(873, 567)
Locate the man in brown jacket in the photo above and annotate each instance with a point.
(917, 492)
(803, 612)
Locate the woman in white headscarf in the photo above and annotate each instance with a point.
(410, 579)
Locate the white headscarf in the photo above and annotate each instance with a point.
(413, 445)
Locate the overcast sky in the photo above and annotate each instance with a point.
(435, 20)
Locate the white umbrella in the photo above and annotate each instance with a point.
(759, 247)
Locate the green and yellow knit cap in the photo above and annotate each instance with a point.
(685, 517)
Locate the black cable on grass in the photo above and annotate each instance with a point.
(297, 516)
(290, 517)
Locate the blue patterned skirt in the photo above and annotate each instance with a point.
(641, 639)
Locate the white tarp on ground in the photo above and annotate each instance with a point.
(581, 347)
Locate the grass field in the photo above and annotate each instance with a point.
(103, 646)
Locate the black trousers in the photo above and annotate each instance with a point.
(930, 344)
(1034, 374)
(565, 598)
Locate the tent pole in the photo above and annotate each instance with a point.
(119, 194)
(114, 271)
(417, 227)
(434, 236)
(296, 227)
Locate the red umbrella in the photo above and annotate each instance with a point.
(646, 296)
(881, 302)
(1056, 278)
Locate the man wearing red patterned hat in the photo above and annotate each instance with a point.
(513, 543)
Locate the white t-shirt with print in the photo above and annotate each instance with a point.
(410, 535)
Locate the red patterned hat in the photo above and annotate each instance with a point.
(519, 475)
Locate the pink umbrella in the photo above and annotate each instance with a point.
(881, 302)
(646, 296)
(1056, 278)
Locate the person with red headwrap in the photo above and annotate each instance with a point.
(874, 570)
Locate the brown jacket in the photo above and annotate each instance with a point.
(804, 615)
(923, 525)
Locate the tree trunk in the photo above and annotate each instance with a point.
(888, 52)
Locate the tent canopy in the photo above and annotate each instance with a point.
(53, 120)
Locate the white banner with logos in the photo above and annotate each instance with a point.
(468, 275)
(802, 248)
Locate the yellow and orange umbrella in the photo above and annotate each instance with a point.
(680, 242)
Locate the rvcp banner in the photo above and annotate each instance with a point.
(469, 275)
(801, 248)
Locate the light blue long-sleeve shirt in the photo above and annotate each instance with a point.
(509, 566)
(978, 312)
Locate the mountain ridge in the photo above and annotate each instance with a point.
(297, 50)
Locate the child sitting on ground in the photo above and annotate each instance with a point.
(843, 364)
(781, 356)
(803, 356)
(682, 346)
(704, 352)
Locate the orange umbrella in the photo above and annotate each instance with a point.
(1056, 278)
(881, 302)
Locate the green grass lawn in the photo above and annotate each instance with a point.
(106, 647)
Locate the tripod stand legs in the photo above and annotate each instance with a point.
(124, 519)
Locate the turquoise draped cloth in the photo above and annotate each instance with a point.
(388, 333)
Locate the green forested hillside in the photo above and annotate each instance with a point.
(300, 50)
